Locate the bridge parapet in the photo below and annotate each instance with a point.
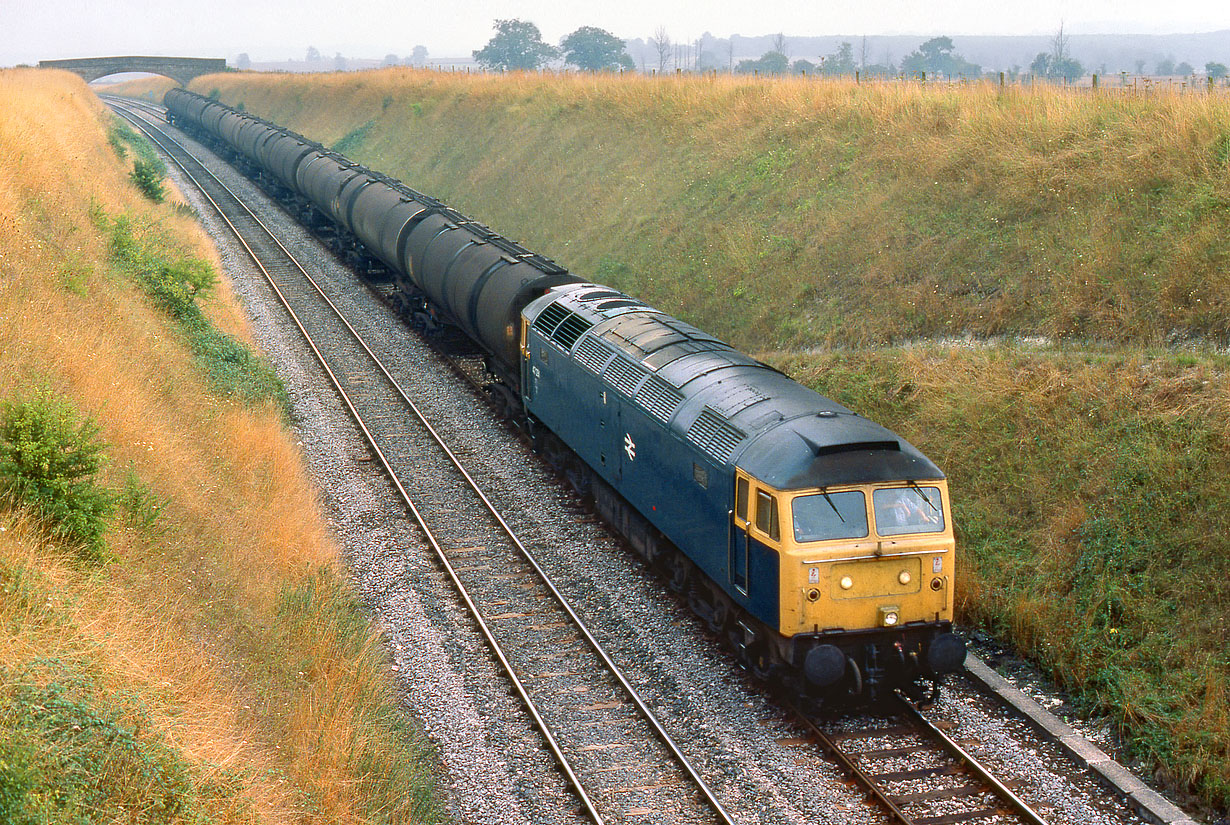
(180, 69)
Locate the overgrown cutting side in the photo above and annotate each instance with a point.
(216, 668)
(1065, 239)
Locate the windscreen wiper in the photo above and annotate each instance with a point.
(825, 493)
(914, 485)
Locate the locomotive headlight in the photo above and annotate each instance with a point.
(889, 616)
(904, 577)
(846, 582)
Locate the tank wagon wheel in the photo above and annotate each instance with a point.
(502, 399)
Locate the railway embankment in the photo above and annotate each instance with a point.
(1030, 284)
(179, 643)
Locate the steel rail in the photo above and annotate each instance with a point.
(848, 765)
(874, 789)
(640, 704)
(961, 755)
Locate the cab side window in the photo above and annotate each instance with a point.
(766, 514)
(741, 499)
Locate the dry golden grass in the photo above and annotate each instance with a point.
(193, 616)
(835, 212)
(146, 88)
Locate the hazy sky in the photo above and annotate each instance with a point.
(279, 29)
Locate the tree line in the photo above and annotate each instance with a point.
(518, 45)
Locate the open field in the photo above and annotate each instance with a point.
(1031, 284)
(207, 663)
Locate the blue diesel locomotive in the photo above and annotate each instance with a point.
(819, 543)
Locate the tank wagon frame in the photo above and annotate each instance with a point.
(817, 542)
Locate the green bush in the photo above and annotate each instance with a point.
(73, 755)
(148, 177)
(49, 456)
(174, 281)
(148, 170)
(175, 284)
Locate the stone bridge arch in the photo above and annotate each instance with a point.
(179, 69)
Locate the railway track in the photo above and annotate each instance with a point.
(614, 753)
(643, 780)
(915, 772)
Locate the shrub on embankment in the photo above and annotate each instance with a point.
(788, 215)
(202, 661)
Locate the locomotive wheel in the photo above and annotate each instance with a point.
(760, 660)
(578, 477)
(718, 616)
(680, 573)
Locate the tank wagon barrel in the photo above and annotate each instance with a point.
(476, 278)
(818, 543)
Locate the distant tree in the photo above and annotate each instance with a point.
(1058, 62)
(769, 63)
(1069, 69)
(661, 44)
(1184, 69)
(313, 55)
(339, 63)
(243, 62)
(1165, 67)
(517, 45)
(803, 67)
(1216, 70)
(391, 60)
(1140, 66)
(418, 56)
(594, 50)
(938, 56)
(779, 44)
(840, 62)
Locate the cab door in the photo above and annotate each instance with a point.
(737, 566)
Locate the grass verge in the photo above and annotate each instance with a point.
(217, 668)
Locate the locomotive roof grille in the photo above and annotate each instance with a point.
(550, 318)
(624, 375)
(593, 354)
(714, 436)
(660, 398)
(570, 329)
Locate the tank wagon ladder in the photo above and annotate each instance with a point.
(243, 222)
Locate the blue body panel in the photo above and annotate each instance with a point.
(651, 466)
